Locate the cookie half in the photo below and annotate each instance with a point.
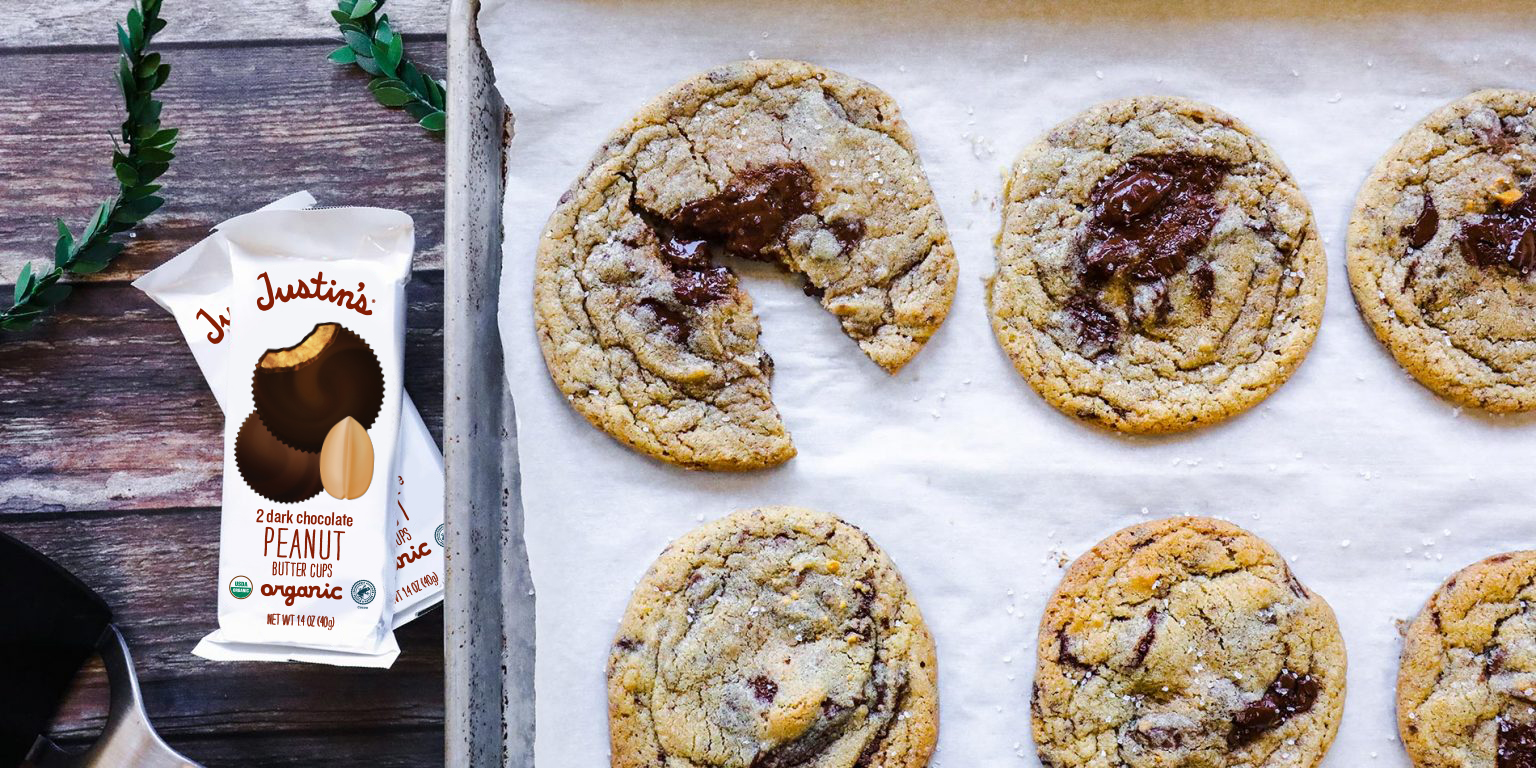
(1466, 689)
(1442, 251)
(1186, 642)
(773, 638)
(1158, 269)
(648, 333)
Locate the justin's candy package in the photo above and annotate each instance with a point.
(312, 404)
(195, 288)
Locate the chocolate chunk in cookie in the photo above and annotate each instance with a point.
(1442, 251)
(1186, 642)
(772, 638)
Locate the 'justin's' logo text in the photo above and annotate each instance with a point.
(314, 288)
(217, 334)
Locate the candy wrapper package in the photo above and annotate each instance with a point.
(194, 287)
(312, 394)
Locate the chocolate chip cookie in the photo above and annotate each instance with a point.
(773, 638)
(1442, 250)
(1158, 269)
(1466, 690)
(648, 333)
(1186, 642)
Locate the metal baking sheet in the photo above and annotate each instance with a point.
(1355, 80)
(488, 610)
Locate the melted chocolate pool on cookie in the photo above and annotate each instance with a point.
(1149, 217)
(1503, 238)
(1516, 745)
(746, 218)
(750, 214)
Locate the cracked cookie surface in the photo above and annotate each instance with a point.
(1466, 687)
(773, 638)
(1186, 643)
(1158, 269)
(646, 331)
(1442, 250)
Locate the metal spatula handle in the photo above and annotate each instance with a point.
(128, 741)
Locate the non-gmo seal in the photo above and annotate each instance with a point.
(363, 592)
(438, 534)
(240, 587)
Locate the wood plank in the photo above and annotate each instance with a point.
(380, 746)
(155, 570)
(89, 22)
(105, 409)
(256, 123)
(369, 745)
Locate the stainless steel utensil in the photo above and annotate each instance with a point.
(128, 741)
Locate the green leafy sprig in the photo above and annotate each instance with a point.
(143, 152)
(376, 48)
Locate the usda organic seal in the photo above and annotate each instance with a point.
(363, 592)
(438, 534)
(240, 587)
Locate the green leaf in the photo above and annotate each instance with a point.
(144, 111)
(136, 28)
(367, 64)
(125, 81)
(53, 294)
(343, 55)
(103, 212)
(381, 57)
(162, 73)
(126, 175)
(165, 139)
(96, 257)
(363, 8)
(412, 77)
(135, 211)
(396, 52)
(341, 17)
(392, 97)
(419, 109)
(123, 42)
(143, 190)
(83, 267)
(154, 155)
(23, 284)
(382, 32)
(435, 122)
(359, 42)
(147, 65)
(62, 246)
(150, 171)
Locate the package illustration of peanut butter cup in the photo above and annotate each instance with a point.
(302, 391)
(273, 469)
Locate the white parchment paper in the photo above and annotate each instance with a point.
(1375, 489)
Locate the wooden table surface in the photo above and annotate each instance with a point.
(110, 441)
